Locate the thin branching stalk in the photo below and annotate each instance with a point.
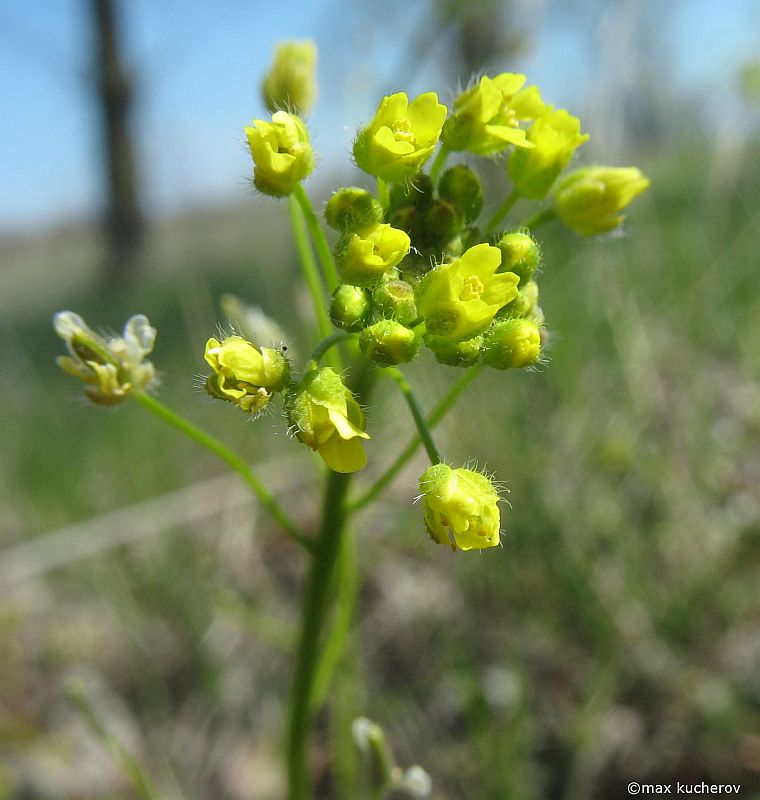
(233, 460)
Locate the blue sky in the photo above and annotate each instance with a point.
(199, 63)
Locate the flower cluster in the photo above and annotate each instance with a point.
(111, 367)
(413, 265)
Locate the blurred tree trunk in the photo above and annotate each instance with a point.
(124, 226)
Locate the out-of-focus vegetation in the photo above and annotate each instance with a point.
(615, 637)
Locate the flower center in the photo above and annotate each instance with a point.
(472, 289)
(402, 131)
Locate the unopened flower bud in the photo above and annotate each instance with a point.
(326, 417)
(512, 344)
(461, 507)
(417, 192)
(455, 354)
(365, 255)
(244, 374)
(281, 153)
(461, 186)
(520, 253)
(291, 84)
(589, 200)
(556, 136)
(388, 343)
(443, 220)
(525, 304)
(113, 366)
(351, 208)
(350, 307)
(395, 300)
(401, 137)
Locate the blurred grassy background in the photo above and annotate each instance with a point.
(615, 637)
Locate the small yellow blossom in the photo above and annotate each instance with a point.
(556, 136)
(589, 200)
(326, 417)
(461, 507)
(487, 116)
(364, 256)
(281, 153)
(243, 374)
(401, 137)
(459, 300)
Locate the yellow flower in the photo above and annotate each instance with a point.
(459, 300)
(364, 256)
(291, 84)
(401, 137)
(281, 153)
(589, 200)
(555, 136)
(486, 116)
(112, 367)
(326, 417)
(243, 374)
(461, 507)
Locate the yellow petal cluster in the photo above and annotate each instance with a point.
(459, 300)
(326, 417)
(282, 155)
(487, 116)
(401, 137)
(461, 507)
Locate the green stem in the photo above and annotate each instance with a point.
(128, 764)
(336, 638)
(547, 215)
(325, 555)
(438, 162)
(326, 344)
(310, 270)
(419, 418)
(383, 194)
(318, 237)
(502, 211)
(435, 417)
(234, 461)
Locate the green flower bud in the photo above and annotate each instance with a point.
(326, 417)
(461, 186)
(395, 300)
(417, 192)
(351, 208)
(291, 84)
(556, 136)
(461, 507)
(520, 253)
(443, 220)
(459, 300)
(364, 256)
(401, 137)
(244, 374)
(388, 343)
(589, 200)
(111, 367)
(350, 307)
(524, 305)
(455, 354)
(486, 116)
(281, 153)
(512, 344)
